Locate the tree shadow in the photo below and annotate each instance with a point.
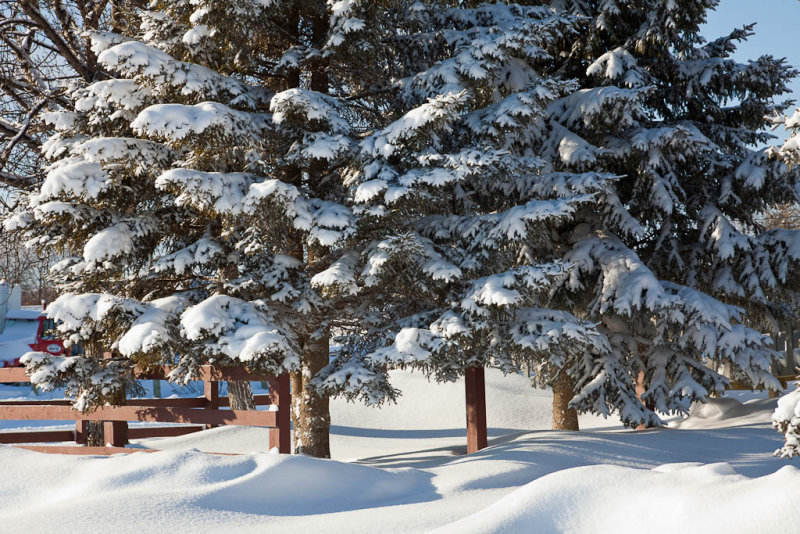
(748, 449)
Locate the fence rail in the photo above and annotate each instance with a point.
(195, 414)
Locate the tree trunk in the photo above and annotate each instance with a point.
(641, 387)
(94, 434)
(311, 416)
(564, 417)
(240, 395)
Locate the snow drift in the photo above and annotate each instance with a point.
(40, 493)
(188, 491)
(619, 500)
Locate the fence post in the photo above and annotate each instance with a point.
(211, 393)
(475, 389)
(280, 394)
(114, 433)
(81, 431)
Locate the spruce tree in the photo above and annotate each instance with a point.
(457, 210)
(782, 222)
(198, 191)
(675, 265)
(146, 268)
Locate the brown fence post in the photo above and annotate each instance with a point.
(114, 433)
(285, 413)
(475, 388)
(280, 394)
(211, 393)
(81, 431)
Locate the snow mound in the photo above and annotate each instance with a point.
(223, 439)
(725, 412)
(44, 490)
(788, 407)
(618, 500)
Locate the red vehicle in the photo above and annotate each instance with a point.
(25, 331)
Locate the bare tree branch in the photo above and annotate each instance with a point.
(58, 40)
(22, 133)
(43, 50)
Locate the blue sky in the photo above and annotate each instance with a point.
(776, 27)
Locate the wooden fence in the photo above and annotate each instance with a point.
(194, 414)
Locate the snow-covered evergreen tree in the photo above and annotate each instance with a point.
(198, 190)
(456, 214)
(674, 265)
(151, 269)
(786, 418)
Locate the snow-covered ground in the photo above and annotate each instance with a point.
(402, 469)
